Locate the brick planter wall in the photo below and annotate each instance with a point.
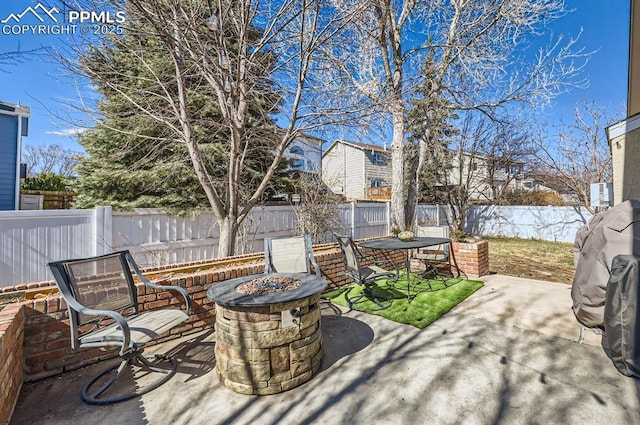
(11, 353)
(472, 257)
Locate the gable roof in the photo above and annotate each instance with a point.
(357, 145)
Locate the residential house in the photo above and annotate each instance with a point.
(486, 176)
(305, 154)
(357, 171)
(360, 171)
(14, 124)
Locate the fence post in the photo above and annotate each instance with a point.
(353, 219)
(388, 217)
(102, 230)
(437, 214)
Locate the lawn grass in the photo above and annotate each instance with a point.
(429, 299)
(533, 259)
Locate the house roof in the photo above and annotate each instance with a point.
(11, 109)
(357, 145)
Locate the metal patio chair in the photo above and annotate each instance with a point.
(102, 302)
(289, 255)
(366, 276)
(436, 257)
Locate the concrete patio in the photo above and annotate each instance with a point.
(507, 355)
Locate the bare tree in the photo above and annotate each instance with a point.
(580, 154)
(51, 159)
(228, 55)
(478, 56)
(316, 213)
(484, 160)
(13, 57)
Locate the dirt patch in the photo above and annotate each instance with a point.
(533, 259)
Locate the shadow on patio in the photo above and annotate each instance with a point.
(507, 355)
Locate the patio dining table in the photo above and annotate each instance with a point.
(393, 243)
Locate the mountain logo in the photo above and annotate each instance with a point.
(38, 11)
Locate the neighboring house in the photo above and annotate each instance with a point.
(14, 123)
(357, 171)
(305, 154)
(361, 171)
(486, 176)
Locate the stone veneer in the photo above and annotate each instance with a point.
(258, 353)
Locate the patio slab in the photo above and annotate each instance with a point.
(494, 359)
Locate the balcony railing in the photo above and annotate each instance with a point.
(378, 193)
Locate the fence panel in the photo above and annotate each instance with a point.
(155, 238)
(432, 215)
(557, 224)
(31, 239)
(370, 220)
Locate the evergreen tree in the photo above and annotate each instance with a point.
(138, 159)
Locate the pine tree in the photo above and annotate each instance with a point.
(137, 161)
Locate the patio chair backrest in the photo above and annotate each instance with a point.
(289, 255)
(434, 232)
(99, 283)
(349, 254)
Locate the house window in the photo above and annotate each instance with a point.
(297, 164)
(296, 150)
(377, 183)
(310, 166)
(378, 158)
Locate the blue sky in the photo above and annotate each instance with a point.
(36, 81)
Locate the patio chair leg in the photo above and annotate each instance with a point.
(368, 293)
(140, 361)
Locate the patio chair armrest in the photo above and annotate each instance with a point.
(394, 266)
(117, 317)
(147, 282)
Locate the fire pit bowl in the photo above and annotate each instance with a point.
(268, 335)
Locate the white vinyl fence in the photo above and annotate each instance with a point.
(556, 224)
(31, 239)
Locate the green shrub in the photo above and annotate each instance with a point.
(47, 182)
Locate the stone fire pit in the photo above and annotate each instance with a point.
(268, 335)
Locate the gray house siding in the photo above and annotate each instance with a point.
(8, 161)
(13, 126)
(380, 171)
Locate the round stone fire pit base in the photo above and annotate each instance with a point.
(268, 349)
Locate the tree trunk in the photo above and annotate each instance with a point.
(397, 178)
(227, 239)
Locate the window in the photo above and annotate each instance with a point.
(296, 150)
(377, 183)
(377, 158)
(297, 164)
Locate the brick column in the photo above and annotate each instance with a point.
(472, 257)
(11, 353)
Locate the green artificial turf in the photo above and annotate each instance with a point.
(430, 299)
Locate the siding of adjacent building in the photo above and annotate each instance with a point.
(380, 172)
(8, 161)
(343, 171)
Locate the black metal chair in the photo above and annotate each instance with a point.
(103, 312)
(438, 261)
(366, 276)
